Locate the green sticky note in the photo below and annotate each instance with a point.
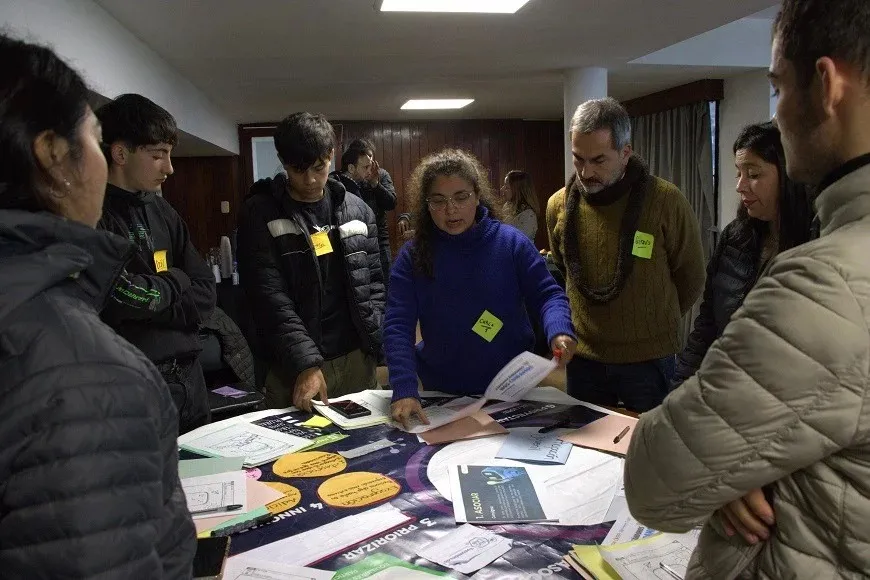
(643, 245)
(487, 325)
(317, 422)
(210, 466)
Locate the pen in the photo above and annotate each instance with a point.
(227, 508)
(670, 571)
(622, 434)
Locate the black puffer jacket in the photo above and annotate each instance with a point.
(381, 198)
(89, 461)
(281, 275)
(731, 274)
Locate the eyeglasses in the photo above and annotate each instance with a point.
(439, 202)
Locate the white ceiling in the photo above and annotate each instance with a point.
(258, 60)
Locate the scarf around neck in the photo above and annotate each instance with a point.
(633, 184)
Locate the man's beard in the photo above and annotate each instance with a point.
(594, 186)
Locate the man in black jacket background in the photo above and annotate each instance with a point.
(166, 290)
(310, 264)
(363, 176)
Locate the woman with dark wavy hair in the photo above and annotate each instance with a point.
(467, 279)
(775, 215)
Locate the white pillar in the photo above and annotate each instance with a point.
(580, 85)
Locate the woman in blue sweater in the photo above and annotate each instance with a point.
(466, 277)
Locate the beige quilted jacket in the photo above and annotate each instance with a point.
(780, 401)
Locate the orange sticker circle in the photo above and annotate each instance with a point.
(357, 489)
(309, 464)
(290, 500)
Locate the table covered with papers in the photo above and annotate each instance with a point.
(373, 501)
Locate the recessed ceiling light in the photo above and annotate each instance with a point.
(482, 6)
(419, 104)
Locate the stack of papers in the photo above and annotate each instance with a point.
(474, 426)
(377, 402)
(512, 383)
(258, 445)
(653, 557)
(495, 494)
(223, 476)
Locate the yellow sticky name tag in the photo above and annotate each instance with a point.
(321, 243)
(160, 261)
(643, 245)
(487, 325)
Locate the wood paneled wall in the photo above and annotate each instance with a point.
(196, 190)
(501, 145)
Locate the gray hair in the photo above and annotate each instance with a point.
(600, 114)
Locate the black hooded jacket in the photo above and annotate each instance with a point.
(89, 460)
(158, 310)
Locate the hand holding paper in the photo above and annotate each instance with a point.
(512, 383)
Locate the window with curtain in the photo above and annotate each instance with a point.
(678, 145)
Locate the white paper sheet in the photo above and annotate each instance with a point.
(466, 549)
(314, 545)
(256, 444)
(642, 560)
(210, 493)
(527, 444)
(579, 493)
(627, 529)
(519, 376)
(242, 567)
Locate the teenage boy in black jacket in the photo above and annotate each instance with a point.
(310, 265)
(166, 289)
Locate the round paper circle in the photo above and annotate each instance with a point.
(290, 500)
(309, 464)
(357, 489)
(254, 473)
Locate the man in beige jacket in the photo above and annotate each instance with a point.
(775, 425)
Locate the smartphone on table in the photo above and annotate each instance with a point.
(211, 555)
(349, 409)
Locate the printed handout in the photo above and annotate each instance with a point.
(494, 494)
(258, 445)
(242, 567)
(209, 495)
(466, 549)
(527, 444)
(309, 547)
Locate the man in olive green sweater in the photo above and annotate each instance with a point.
(630, 248)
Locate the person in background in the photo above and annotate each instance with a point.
(521, 206)
(772, 431)
(405, 226)
(775, 215)
(167, 290)
(467, 279)
(630, 247)
(363, 176)
(89, 461)
(309, 262)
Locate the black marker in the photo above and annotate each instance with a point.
(227, 508)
